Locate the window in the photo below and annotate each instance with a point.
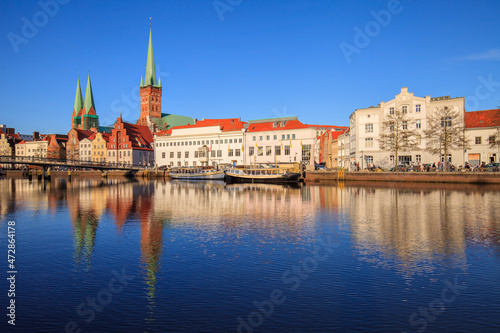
(391, 159)
(491, 139)
(253, 138)
(391, 126)
(478, 140)
(237, 152)
(216, 142)
(368, 142)
(219, 153)
(186, 154)
(288, 136)
(260, 151)
(230, 140)
(198, 143)
(250, 151)
(268, 137)
(446, 122)
(194, 163)
(417, 109)
(405, 108)
(275, 137)
(212, 153)
(225, 141)
(195, 154)
(293, 136)
(391, 110)
(287, 150)
(178, 154)
(418, 139)
(277, 150)
(405, 124)
(418, 158)
(306, 153)
(171, 154)
(260, 138)
(369, 159)
(179, 163)
(240, 140)
(283, 137)
(163, 155)
(269, 149)
(369, 128)
(418, 124)
(231, 152)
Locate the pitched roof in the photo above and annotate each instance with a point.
(139, 135)
(82, 134)
(276, 125)
(78, 99)
(89, 97)
(485, 118)
(226, 125)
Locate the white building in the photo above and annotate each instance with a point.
(481, 128)
(366, 125)
(207, 142)
(85, 150)
(344, 148)
(279, 140)
(36, 148)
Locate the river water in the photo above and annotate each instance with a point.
(166, 256)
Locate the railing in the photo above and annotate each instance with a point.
(69, 163)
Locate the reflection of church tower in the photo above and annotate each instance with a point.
(85, 225)
(150, 91)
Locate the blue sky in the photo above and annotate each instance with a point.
(243, 58)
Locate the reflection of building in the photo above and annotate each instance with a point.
(482, 129)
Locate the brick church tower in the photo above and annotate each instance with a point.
(150, 91)
(84, 114)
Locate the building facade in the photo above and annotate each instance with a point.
(366, 127)
(57, 146)
(279, 140)
(208, 142)
(100, 147)
(85, 149)
(130, 144)
(482, 129)
(73, 145)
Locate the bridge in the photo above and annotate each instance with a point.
(54, 162)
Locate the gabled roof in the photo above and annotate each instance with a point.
(140, 136)
(226, 125)
(485, 118)
(276, 125)
(82, 134)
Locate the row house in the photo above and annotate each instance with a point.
(73, 147)
(8, 141)
(319, 131)
(344, 149)
(99, 147)
(57, 146)
(36, 148)
(279, 140)
(366, 125)
(130, 144)
(207, 142)
(328, 148)
(85, 149)
(483, 130)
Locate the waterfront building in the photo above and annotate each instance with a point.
(482, 128)
(279, 140)
(328, 148)
(73, 147)
(320, 130)
(8, 141)
(151, 94)
(99, 146)
(85, 149)
(36, 148)
(366, 127)
(344, 149)
(57, 146)
(84, 111)
(130, 144)
(206, 142)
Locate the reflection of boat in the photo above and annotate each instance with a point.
(197, 173)
(262, 175)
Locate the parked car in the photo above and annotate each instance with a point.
(492, 167)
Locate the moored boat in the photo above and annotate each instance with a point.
(262, 175)
(197, 173)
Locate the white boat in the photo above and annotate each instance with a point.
(262, 175)
(197, 173)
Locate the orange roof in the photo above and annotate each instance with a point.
(276, 125)
(326, 127)
(139, 135)
(485, 118)
(226, 125)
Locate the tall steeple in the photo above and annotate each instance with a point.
(78, 99)
(150, 79)
(89, 97)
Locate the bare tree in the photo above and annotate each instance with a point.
(445, 132)
(495, 143)
(398, 134)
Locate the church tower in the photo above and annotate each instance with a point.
(150, 91)
(89, 118)
(77, 108)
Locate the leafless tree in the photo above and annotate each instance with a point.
(445, 132)
(398, 134)
(495, 143)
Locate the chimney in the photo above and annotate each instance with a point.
(36, 136)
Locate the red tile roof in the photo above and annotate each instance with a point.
(485, 118)
(139, 135)
(226, 125)
(83, 134)
(276, 125)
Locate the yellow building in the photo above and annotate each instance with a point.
(99, 146)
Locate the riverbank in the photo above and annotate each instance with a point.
(90, 174)
(420, 177)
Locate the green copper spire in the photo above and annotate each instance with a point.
(78, 98)
(89, 97)
(150, 78)
(159, 81)
(141, 82)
